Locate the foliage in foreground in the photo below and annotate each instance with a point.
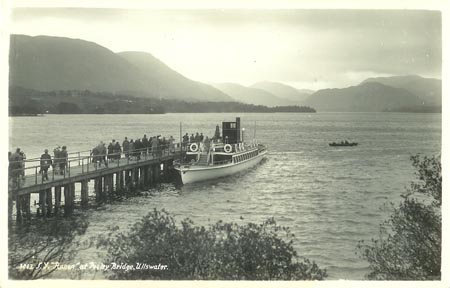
(42, 241)
(409, 244)
(226, 251)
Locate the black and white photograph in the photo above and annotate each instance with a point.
(223, 143)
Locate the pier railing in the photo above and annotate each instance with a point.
(31, 171)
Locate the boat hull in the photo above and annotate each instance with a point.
(204, 173)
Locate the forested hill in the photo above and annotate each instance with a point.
(31, 102)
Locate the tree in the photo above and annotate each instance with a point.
(409, 243)
(38, 242)
(225, 251)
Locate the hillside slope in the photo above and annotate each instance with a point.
(366, 97)
(427, 89)
(251, 95)
(47, 63)
(282, 91)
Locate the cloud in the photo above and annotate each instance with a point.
(247, 46)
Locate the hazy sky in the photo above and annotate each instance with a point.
(305, 48)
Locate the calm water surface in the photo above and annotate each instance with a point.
(330, 197)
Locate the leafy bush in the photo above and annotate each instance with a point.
(226, 251)
(409, 244)
(43, 241)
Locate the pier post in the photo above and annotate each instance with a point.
(117, 182)
(121, 180)
(166, 170)
(66, 200)
(49, 201)
(146, 176)
(156, 171)
(18, 209)
(127, 178)
(26, 205)
(150, 175)
(84, 193)
(108, 186)
(99, 189)
(133, 177)
(141, 177)
(57, 199)
(72, 197)
(43, 202)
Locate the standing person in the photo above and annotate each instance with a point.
(185, 140)
(46, 161)
(117, 151)
(22, 164)
(111, 150)
(16, 165)
(95, 156)
(154, 147)
(126, 147)
(131, 151)
(145, 144)
(192, 138)
(102, 154)
(201, 137)
(197, 138)
(137, 149)
(207, 143)
(64, 157)
(171, 144)
(56, 159)
(164, 145)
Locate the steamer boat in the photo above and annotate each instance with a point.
(222, 156)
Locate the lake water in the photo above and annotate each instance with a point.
(330, 197)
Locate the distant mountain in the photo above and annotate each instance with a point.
(366, 97)
(172, 85)
(251, 95)
(427, 89)
(306, 91)
(282, 91)
(28, 102)
(47, 63)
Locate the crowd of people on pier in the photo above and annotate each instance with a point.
(100, 154)
(133, 149)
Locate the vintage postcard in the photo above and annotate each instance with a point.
(216, 142)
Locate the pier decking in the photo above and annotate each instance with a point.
(125, 173)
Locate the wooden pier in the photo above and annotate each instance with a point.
(57, 194)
